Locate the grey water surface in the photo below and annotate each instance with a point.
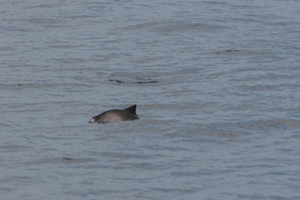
(217, 88)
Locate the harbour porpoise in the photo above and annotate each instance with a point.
(116, 115)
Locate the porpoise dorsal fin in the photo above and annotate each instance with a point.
(131, 109)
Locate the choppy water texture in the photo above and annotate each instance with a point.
(216, 84)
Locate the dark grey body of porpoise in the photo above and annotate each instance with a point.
(116, 115)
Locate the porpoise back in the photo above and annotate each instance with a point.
(116, 115)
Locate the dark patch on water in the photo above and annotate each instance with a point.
(66, 158)
(139, 82)
(228, 51)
